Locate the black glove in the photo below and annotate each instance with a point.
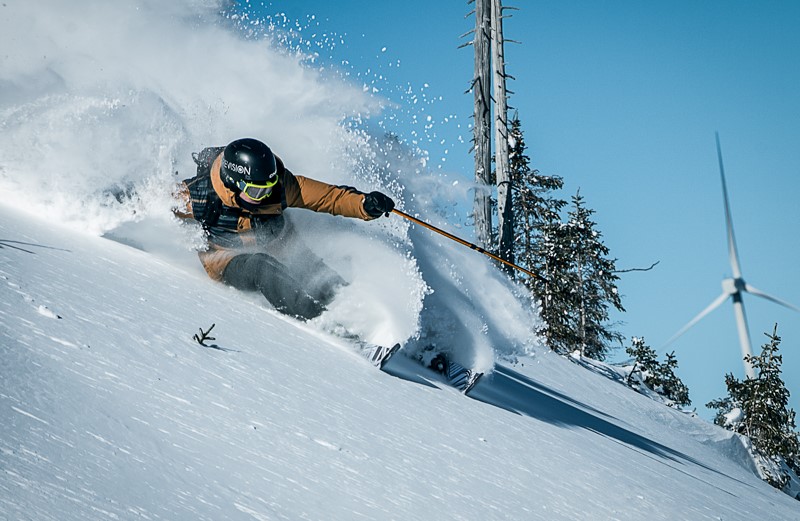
(376, 203)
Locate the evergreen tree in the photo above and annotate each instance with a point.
(758, 408)
(552, 257)
(645, 361)
(579, 280)
(669, 385)
(591, 277)
(534, 206)
(532, 202)
(537, 223)
(729, 412)
(659, 377)
(769, 422)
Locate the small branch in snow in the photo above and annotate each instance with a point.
(204, 336)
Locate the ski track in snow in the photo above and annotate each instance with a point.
(114, 412)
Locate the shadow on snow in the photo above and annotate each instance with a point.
(519, 394)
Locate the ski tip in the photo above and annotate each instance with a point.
(388, 354)
(472, 381)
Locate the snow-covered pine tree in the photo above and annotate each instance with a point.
(658, 377)
(552, 257)
(758, 408)
(537, 221)
(669, 385)
(645, 360)
(594, 280)
(769, 421)
(579, 281)
(729, 413)
(534, 206)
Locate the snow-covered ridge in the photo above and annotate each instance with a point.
(109, 409)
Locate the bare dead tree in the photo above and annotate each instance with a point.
(482, 125)
(505, 215)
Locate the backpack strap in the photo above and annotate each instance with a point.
(205, 158)
(213, 204)
(213, 209)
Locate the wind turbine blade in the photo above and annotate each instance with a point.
(744, 333)
(755, 291)
(714, 305)
(733, 252)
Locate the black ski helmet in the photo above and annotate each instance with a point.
(246, 161)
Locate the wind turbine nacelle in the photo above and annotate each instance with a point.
(733, 286)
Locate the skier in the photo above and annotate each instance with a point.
(239, 196)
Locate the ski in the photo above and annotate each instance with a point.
(456, 374)
(474, 378)
(379, 355)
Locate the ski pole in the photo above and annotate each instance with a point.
(468, 244)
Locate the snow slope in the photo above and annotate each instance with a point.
(109, 410)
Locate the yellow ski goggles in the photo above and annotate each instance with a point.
(257, 192)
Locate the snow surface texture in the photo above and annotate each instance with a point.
(109, 409)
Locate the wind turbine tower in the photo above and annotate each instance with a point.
(733, 287)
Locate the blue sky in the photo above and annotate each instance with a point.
(622, 99)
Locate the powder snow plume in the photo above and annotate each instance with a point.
(101, 105)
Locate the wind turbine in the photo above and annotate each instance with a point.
(733, 287)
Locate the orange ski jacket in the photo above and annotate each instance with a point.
(232, 229)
